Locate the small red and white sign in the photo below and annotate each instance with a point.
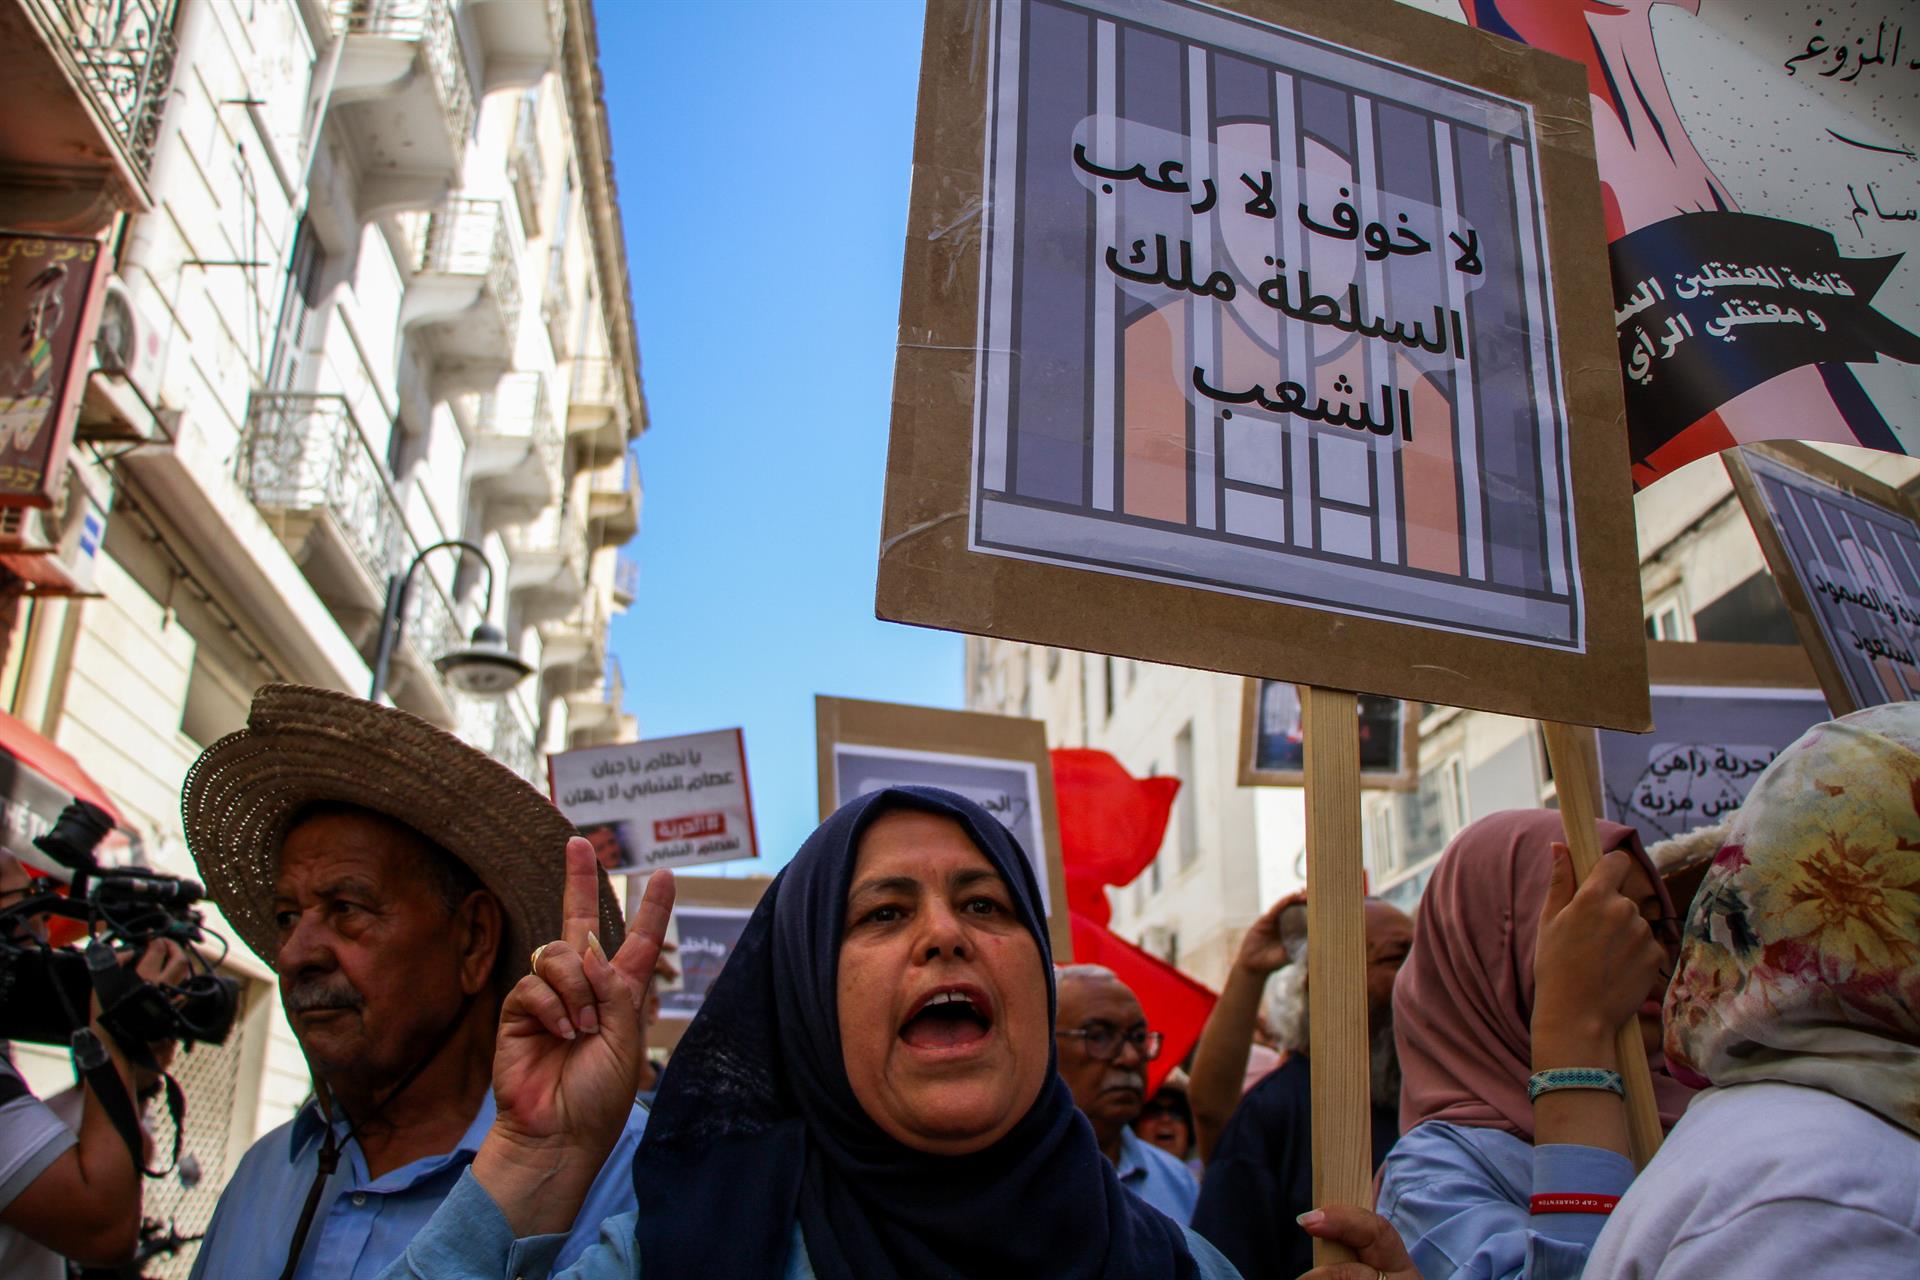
(665, 802)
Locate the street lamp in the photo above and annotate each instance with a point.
(484, 668)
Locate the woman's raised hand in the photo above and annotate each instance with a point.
(1595, 961)
(568, 1059)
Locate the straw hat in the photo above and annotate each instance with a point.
(303, 745)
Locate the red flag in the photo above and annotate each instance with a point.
(1176, 1006)
(1111, 825)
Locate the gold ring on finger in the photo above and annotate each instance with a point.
(533, 961)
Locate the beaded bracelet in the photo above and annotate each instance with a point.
(1574, 1078)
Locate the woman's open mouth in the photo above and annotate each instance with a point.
(948, 1018)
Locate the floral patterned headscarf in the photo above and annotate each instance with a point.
(1802, 955)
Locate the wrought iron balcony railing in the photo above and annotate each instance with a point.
(519, 407)
(306, 454)
(466, 237)
(626, 580)
(494, 727)
(125, 51)
(596, 382)
(557, 531)
(429, 23)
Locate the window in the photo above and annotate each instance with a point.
(1667, 617)
(1153, 876)
(1053, 663)
(1380, 824)
(1753, 612)
(296, 337)
(1107, 676)
(1186, 807)
(1133, 673)
(1173, 948)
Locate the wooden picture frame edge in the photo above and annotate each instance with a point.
(859, 722)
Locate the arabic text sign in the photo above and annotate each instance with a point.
(1708, 746)
(1858, 565)
(1270, 317)
(666, 802)
(1008, 789)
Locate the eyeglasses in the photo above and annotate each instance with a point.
(1104, 1040)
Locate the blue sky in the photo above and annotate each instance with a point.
(763, 153)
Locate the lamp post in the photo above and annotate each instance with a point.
(485, 668)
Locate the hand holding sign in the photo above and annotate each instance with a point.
(568, 1059)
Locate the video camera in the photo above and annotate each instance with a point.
(45, 991)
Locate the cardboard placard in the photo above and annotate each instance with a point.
(1845, 552)
(1000, 762)
(664, 802)
(1273, 738)
(1720, 717)
(1226, 344)
(50, 291)
(708, 915)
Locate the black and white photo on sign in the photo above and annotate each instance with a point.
(1008, 789)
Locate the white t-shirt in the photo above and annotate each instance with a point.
(1770, 1182)
(32, 1136)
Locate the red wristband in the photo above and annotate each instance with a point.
(1572, 1202)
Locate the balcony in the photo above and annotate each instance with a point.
(613, 503)
(513, 455)
(464, 291)
(596, 409)
(403, 95)
(519, 39)
(86, 83)
(595, 715)
(307, 466)
(626, 583)
(493, 725)
(547, 562)
(525, 169)
(573, 649)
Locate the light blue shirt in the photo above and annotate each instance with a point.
(363, 1224)
(469, 1238)
(1157, 1177)
(1459, 1197)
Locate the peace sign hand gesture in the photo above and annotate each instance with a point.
(569, 1054)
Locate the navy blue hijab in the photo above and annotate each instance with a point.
(756, 1127)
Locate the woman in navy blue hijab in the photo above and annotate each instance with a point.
(868, 1091)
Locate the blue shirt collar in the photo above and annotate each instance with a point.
(309, 1125)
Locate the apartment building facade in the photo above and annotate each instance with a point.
(1232, 850)
(366, 297)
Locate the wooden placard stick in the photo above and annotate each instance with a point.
(1568, 749)
(1336, 960)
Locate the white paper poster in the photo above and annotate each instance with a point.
(666, 802)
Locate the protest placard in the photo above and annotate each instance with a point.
(1271, 338)
(1273, 738)
(1721, 713)
(664, 802)
(999, 762)
(1288, 354)
(709, 914)
(1758, 159)
(1845, 551)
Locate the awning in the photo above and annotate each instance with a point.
(37, 781)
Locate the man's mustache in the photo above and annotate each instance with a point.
(321, 993)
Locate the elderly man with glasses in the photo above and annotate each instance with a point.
(1105, 1047)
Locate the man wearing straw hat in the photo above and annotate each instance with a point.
(396, 879)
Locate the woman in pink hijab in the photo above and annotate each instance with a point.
(1516, 986)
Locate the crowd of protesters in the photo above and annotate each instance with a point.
(891, 1078)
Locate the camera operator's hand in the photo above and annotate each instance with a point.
(569, 1055)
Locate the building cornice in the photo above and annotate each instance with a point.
(593, 143)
